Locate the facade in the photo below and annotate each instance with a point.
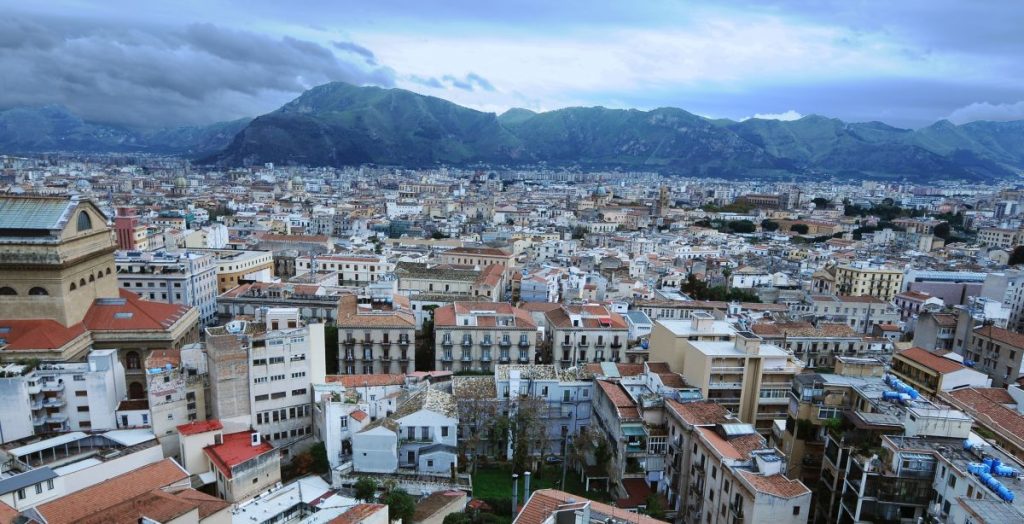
(480, 257)
(376, 334)
(866, 278)
(931, 373)
(586, 333)
(235, 265)
(735, 368)
(175, 278)
(244, 465)
(997, 352)
(315, 303)
(60, 397)
(261, 375)
(352, 269)
(419, 437)
(1000, 237)
(485, 333)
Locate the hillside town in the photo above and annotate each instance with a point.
(288, 344)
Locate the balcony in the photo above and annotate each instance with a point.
(466, 357)
(616, 344)
(525, 344)
(725, 385)
(349, 357)
(34, 389)
(36, 405)
(599, 344)
(53, 386)
(403, 358)
(485, 343)
(504, 359)
(727, 369)
(38, 421)
(524, 359)
(566, 345)
(467, 343)
(446, 343)
(446, 358)
(56, 418)
(505, 344)
(349, 342)
(385, 357)
(385, 345)
(53, 402)
(486, 357)
(403, 343)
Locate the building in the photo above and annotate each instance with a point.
(177, 382)
(935, 331)
(997, 352)
(158, 492)
(1000, 237)
(586, 333)
(485, 333)
(930, 373)
(446, 283)
(818, 345)
(376, 334)
(480, 257)
(861, 313)
(57, 397)
(307, 499)
(172, 277)
(315, 303)
(237, 266)
(867, 278)
(352, 269)
(261, 374)
(244, 465)
(734, 368)
(551, 506)
(419, 437)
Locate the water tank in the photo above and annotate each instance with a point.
(969, 363)
(976, 468)
(904, 398)
(645, 344)
(914, 395)
(890, 396)
(1004, 471)
(967, 443)
(993, 465)
(1005, 493)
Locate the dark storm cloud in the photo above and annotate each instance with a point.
(152, 75)
(470, 82)
(426, 81)
(357, 49)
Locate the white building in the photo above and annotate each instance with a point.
(420, 437)
(174, 278)
(353, 269)
(61, 397)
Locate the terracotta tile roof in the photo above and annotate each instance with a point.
(930, 360)
(592, 317)
(637, 491)
(737, 448)
(624, 405)
(479, 251)
(945, 319)
(699, 413)
(159, 358)
(359, 415)
(131, 313)
(208, 504)
(236, 449)
(349, 316)
(200, 426)
(777, 485)
(364, 380)
(447, 316)
(987, 410)
(78, 506)
(1001, 335)
(358, 513)
(659, 367)
(156, 505)
(672, 380)
(36, 334)
(544, 502)
(435, 502)
(490, 275)
(625, 369)
(7, 514)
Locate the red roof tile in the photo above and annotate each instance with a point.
(236, 449)
(358, 513)
(131, 313)
(544, 502)
(930, 360)
(36, 334)
(364, 380)
(199, 426)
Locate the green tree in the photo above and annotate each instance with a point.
(366, 489)
(320, 463)
(799, 228)
(654, 507)
(400, 505)
(742, 226)
(943, 231)
(425, 350)
(769, 225)
(821, 202)
(457, 518)
(579, 233)
(331, 349)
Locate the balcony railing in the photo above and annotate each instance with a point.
(524, 343)
(486, 343)
(505, 343)
(725, 385)
(616, 344)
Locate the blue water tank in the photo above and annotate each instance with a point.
(967, 444)
(1004, 471)
(994, 464)
(645, 344)
(890, 396)
(969, 363)
(976, 468)
(904, 398)
(1005, 493)
(988, 462)
(913, 393)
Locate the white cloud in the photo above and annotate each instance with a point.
(785, 117)
(987, 111)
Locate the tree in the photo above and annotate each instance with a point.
(366, 489)
(457, 518)
(821, 202)
(654, 508)
(477, 416)
(769, 225)
(1017, 256)
(942, 231)
(400, 505)
(579, 233)
(319, 453)
(331, 349)
(425, 350)
(742, 226)
(799, 228)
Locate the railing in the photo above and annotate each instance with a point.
(616, 345)
(505, 343)
(524, 343)
(485, 343)
(725, 385)
(446, 358)
(727, 369)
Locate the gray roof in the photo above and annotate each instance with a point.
(39, 213)
(26, 479)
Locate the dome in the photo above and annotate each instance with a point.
(297, 180)
(600, 191)
(180, 182)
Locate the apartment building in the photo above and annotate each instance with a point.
(235, 265)
(861, 313)
(177, 381)
(261, 374)
(818, 345)
(586, 333)
(735, 368)
(315, 303)
(721, 471)
(486, 333)
(419, 437)
(867, 278)
(174, 278)
(376, 334)
(548, 506)
(480, 257)
(1000, 237)
(931, 373)
(240, 465)
(446, 283)
(353, 269)
(59, 397)
(997, 352)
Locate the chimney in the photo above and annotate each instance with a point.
(526, 487)
(255, 438)
(515, 495)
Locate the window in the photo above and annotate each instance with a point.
(132, 360)
(7, 291)
(796, 510)
(444, 431)
(84, 222)
(344, 421)
(38, 292)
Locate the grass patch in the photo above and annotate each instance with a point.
(495, 482)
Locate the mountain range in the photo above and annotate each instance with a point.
(339, 124)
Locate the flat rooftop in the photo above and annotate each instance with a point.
(684, 328)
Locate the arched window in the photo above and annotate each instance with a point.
(99, 274)
(132, 360)
(81, 283)
(7, 291)
(108, 270)
(135, 390)
(92, 278)
(73, 286)
(37, 291)
(84, 222)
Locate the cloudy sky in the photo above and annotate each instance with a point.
(907, 62)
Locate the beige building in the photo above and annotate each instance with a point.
(480, 257)
(353, 269)
(1000, 237)
(443, 282)
(865, 278)
(233, 265)
(997, 352)
(734, 368)
(586, 333)
(473, 336)
(376, 335)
